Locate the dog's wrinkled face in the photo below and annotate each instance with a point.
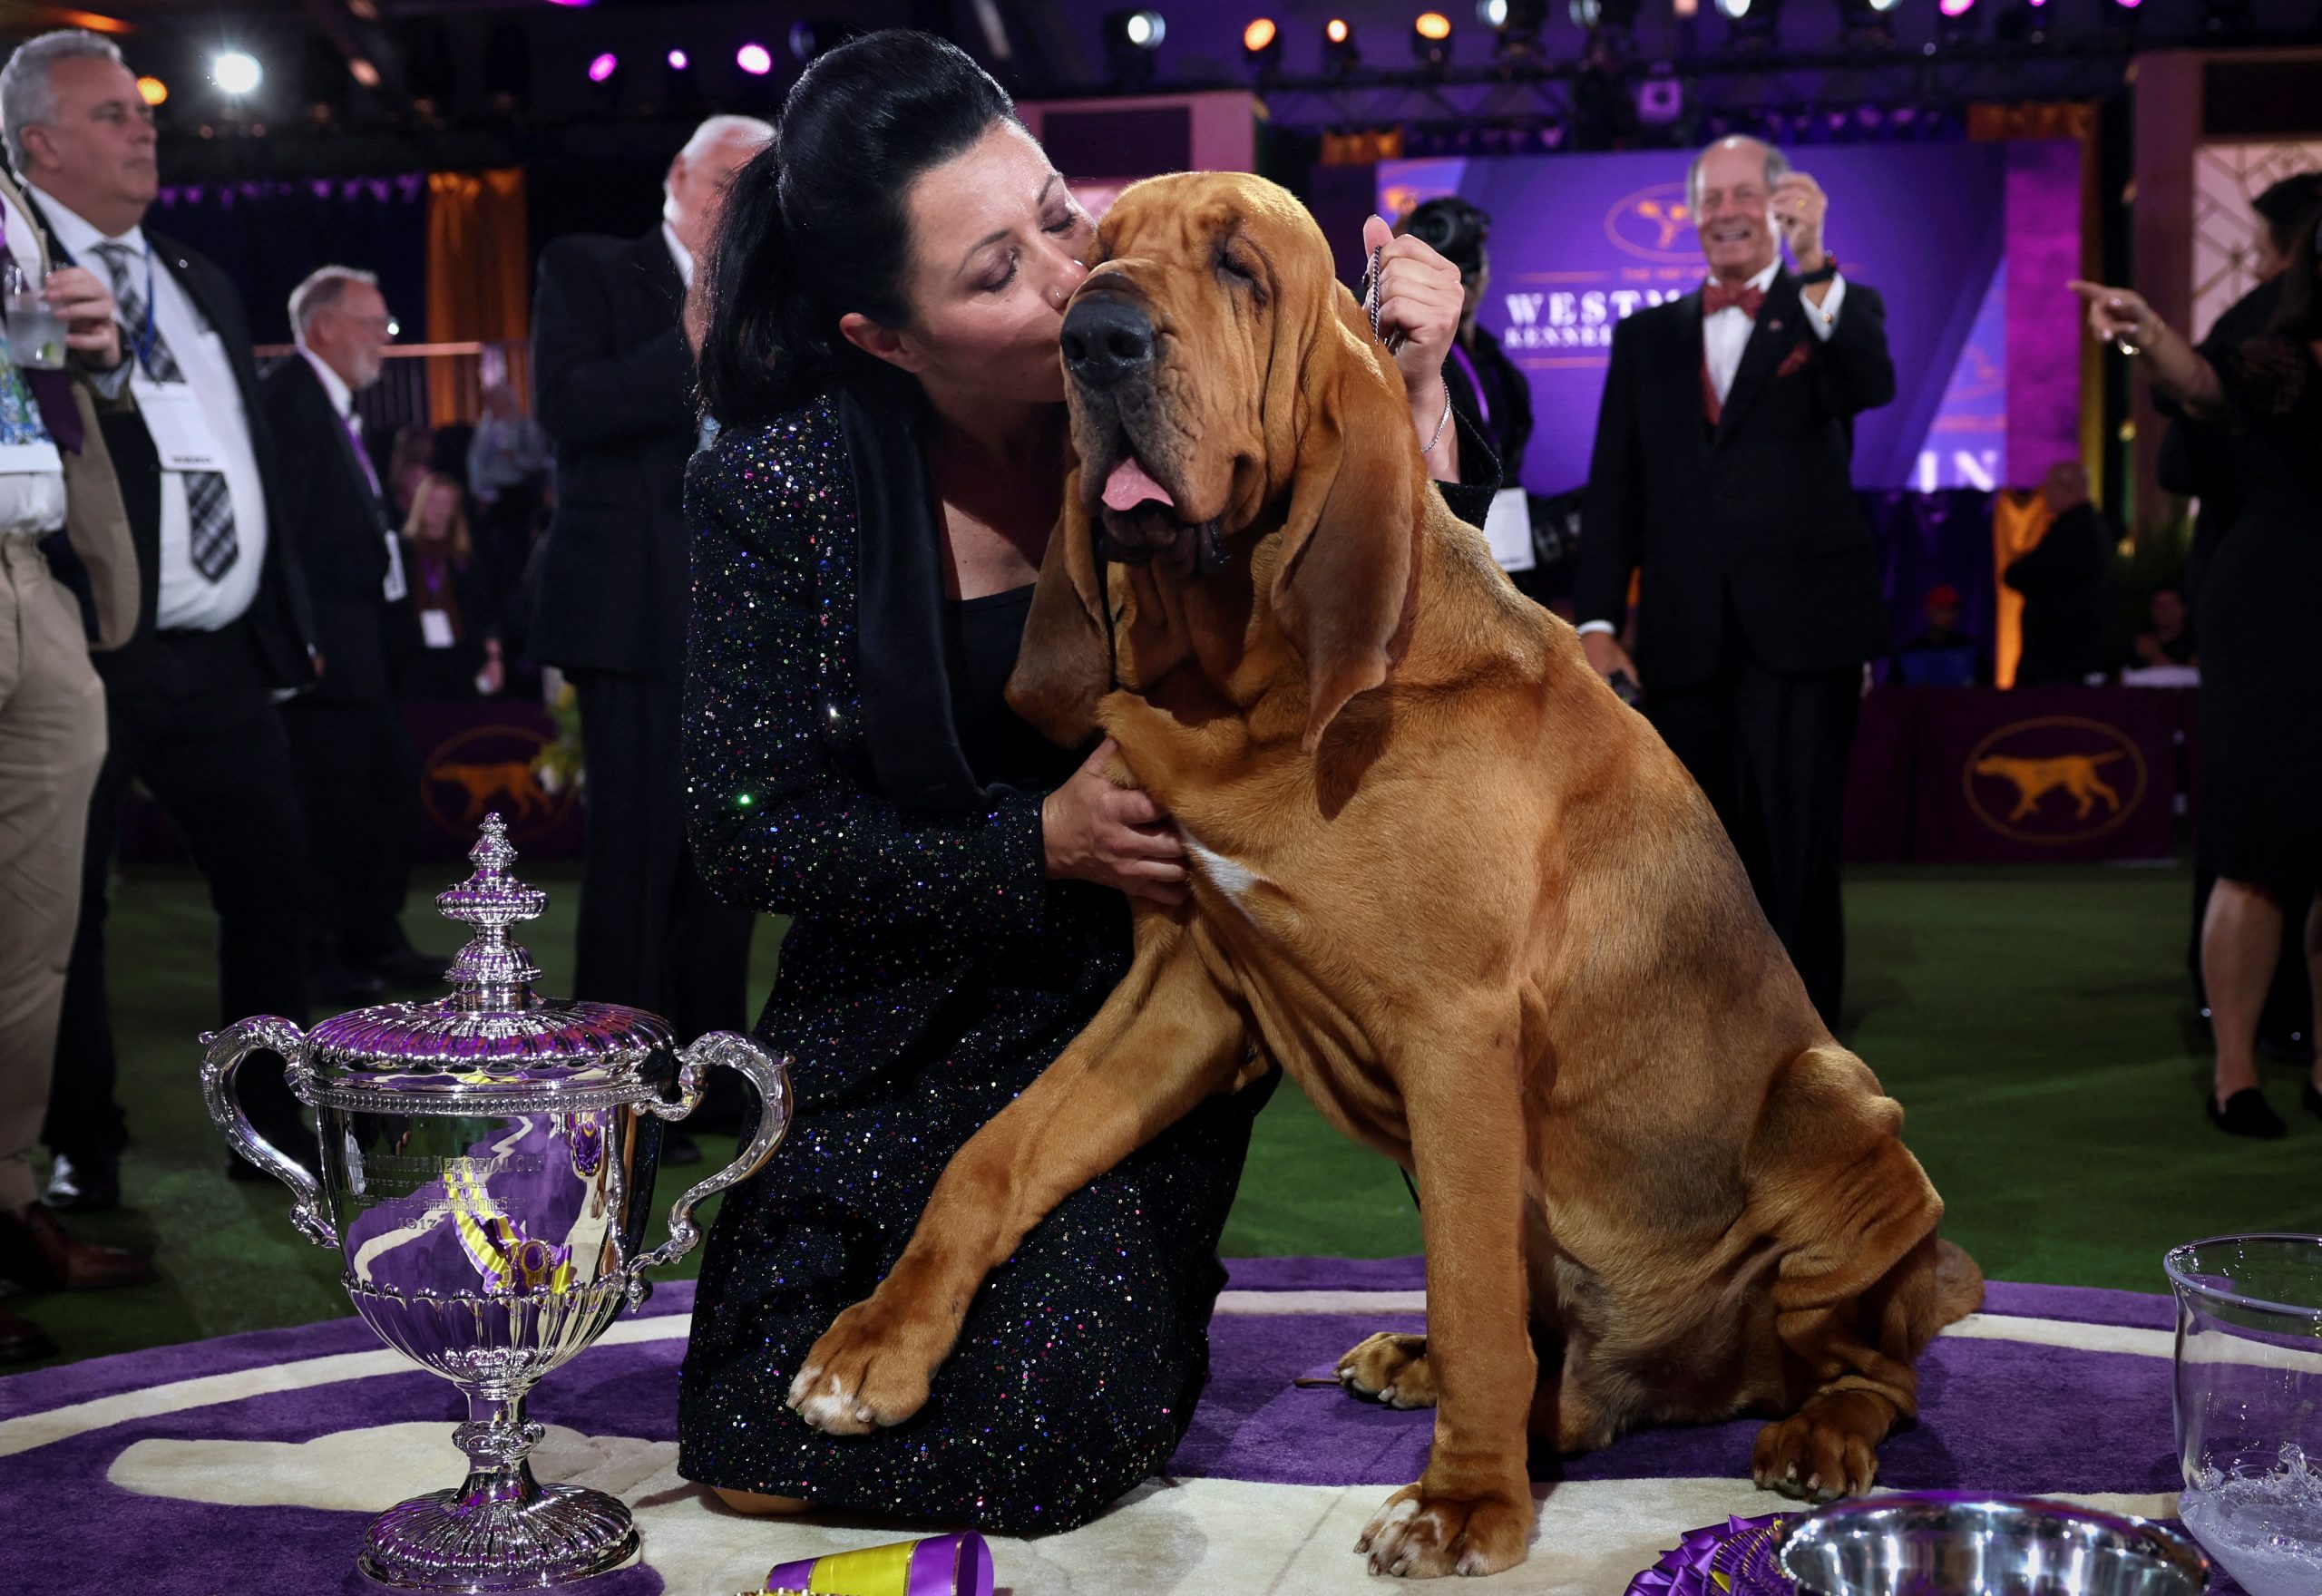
(1201, 285)
(1225, 391)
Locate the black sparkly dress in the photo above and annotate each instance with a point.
(851, 763)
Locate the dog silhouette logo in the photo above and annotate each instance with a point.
(483, 768)
(2055, 779)
(1654, 224)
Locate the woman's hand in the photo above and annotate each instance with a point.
(2118, 316)
(1117, 837)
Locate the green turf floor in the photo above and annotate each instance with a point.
(2032, 1022)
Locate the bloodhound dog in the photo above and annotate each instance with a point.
(1458, 890)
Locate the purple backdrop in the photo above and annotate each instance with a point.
(1579, 241)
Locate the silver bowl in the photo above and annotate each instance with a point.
(1953, 1544)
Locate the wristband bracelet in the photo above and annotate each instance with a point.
(1442, 420)
(1823, 272)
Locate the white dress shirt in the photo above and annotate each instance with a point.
(1726, 334)
(342, 400)
(32, 475)
(189, 601)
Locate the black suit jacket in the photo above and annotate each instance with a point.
(614, 381)
(282, 616)
(1759, 513)
(2066, 580)
(337, 528)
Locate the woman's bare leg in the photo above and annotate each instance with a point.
(2242, 939)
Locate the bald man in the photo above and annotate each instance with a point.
(613, 381)
(1722, 482)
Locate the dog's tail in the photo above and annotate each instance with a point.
(2106, 758)
(1958, 1283)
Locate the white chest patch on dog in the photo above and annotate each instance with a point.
(1235, 880)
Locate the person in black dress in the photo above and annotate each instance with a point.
(2066, 580)
(2262, 655)
(884, 308)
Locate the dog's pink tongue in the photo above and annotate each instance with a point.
(1130, 486)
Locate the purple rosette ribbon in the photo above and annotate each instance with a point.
(948, 1565)
(1739, 1557)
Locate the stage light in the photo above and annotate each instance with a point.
(1340, 54)
(237, 74)
(1615, 16)
(603, 67)
(1261, 47)
(1956, 8)
(153, 90)
(755, 59)
(360, 69)
(819, 36)
(677, 61)
(1431, 40)
(1751, 25)
(1515, 25)
(1132, 40)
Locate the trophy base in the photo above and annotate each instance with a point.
(450, 1540)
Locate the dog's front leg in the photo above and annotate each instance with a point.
(1168, 1036)
(1471, 1511)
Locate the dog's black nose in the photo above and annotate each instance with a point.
(1105, 339)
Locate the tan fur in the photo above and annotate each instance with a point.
(1474, 906)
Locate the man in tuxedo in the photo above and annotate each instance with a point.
(223, 620)
(54, 477)
(613, 381)
(1721, 483)
(358, 775)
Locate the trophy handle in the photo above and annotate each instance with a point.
(769, 1075)
(222, 1055)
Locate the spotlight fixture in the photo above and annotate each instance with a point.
(604, 68)
(237, 73)
(1751, 25)
(1431, 40)
(605, 79)
(153, 90)
(1516, 24)
(819, 36)
(1612, 17)
(755, 59)
(679, 61)
(1132, 40)
(1261, 47)
(1340, 54)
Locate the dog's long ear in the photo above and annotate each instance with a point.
(1064, 663)
(1349, 544)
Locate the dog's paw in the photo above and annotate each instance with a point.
(867, 1371)
(1417, 1536)
(1390, 1369)
(1814, 1457)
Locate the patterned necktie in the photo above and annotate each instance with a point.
(1717, 297)
(210, 507)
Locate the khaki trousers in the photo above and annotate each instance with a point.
(51, 744)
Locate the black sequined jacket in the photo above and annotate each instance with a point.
(823, 775)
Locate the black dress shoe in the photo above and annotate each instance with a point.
(677, 1147)
(77, 1181)
(2245, 1113)
(407, 969)
(20, 1341)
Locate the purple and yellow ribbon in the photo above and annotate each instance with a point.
(1739, 1557)
(948, 1565)
(510, 1263)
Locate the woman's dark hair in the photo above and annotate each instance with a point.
(2285, 205)
(814, 227)
(2299, 315)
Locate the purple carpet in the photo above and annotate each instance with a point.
(2001, 1415)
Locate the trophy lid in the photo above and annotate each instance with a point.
(493, 1045)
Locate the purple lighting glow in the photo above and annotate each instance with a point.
(1956, 7)
(677, 60)
(755, 59)
(603, 67)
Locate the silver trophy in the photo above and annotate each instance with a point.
(487, 1166)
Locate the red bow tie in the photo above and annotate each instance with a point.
(1717, 297)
